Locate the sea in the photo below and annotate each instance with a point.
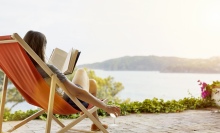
(141, 85)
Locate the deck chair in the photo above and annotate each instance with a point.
(18, 68)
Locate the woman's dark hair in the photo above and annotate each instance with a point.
(37, 41)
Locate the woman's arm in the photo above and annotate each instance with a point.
(89, 98)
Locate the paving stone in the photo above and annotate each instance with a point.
(191, 121)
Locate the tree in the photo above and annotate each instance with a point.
(14, 96)
(12, 93)
(1, 79)
(107, 87)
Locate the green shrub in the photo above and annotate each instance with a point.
(147, 106)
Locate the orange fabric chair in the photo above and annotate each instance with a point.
(17, 66)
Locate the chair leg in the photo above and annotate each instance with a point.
(51, 103)
(96, 122)
(92, 118)
(3, 99)
(86, 113)
(27, 120)
(67, 127)
(58, 121)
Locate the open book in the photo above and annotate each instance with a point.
(64, 61)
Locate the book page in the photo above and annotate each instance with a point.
(57, 58)
(71, 61)
(66, 64)
(74, 58)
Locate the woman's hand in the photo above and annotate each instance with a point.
(113, 109)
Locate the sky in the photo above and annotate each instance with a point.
(107, 29)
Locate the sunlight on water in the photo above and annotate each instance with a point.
(141, 85)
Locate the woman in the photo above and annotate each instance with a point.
(82, 87)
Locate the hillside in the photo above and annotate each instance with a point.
(156, 63)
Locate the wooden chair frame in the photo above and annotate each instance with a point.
(54, 81)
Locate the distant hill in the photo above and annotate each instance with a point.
(156, 63)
